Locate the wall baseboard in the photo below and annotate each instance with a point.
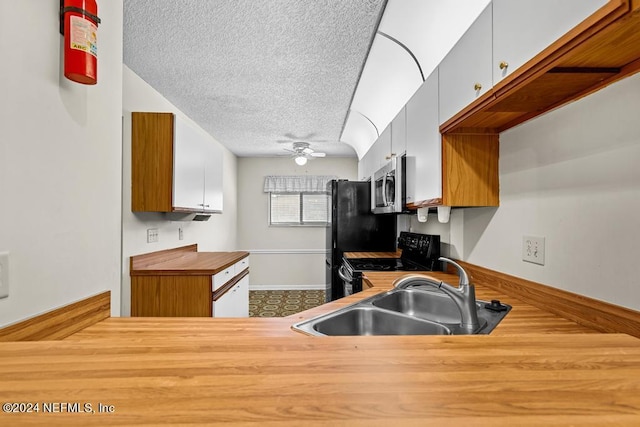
(599, 315)
(62, 322)
(287, 287)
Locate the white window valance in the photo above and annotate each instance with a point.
(297, 183)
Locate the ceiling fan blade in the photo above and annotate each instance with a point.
(307, 150)
(316, 154)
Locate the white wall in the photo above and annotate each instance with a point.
(572, 176)
(282, 257)
(60, 163)
(216, 234)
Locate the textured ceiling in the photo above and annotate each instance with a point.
(255, 72)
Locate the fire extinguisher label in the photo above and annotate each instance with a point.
(83, 35)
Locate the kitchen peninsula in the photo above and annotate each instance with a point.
(534, 369)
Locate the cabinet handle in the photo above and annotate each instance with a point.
(503, 65)
(477, 86)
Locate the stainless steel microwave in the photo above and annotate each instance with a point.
(388, 188)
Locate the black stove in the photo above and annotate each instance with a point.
(420, 252)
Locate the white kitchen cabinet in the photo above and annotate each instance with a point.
(524, 28)
(424, 148)
(197, 181)
(449, 170)
(466, 71)
(391, 142)
(365, 166)
(175, 167)
(213, 189)
(234, 302)
(382, 149)
(399, 134)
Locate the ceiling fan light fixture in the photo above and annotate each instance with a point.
(300, 160)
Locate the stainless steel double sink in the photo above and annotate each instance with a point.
(419, 310)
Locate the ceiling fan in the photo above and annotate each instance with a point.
(302, 152)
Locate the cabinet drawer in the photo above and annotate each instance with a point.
(223, 277)
(241, 265)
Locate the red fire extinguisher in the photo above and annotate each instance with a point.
(80, 40)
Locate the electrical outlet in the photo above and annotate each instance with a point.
(533, 249)
(4, 274)
(152, 235)
(180, 233)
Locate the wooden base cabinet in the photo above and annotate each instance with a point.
(192, 294)
(171, 296)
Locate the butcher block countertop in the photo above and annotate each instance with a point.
(534, 369)
(184, 261)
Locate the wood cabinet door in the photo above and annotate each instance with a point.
(188, 167)
(424, 150)
(466, 72)
(524, 28)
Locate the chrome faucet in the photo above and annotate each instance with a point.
(464, 296)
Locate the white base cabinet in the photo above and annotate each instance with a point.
(234, 302)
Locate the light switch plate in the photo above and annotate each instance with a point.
(4, 274)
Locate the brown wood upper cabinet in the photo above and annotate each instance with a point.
(175, 167)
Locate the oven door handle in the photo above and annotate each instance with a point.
(343, 275)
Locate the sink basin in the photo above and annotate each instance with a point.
(435, 306)
(373, 321)
(418, 310)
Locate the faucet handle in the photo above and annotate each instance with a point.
(464, 277)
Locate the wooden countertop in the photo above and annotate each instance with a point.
(184, 262)
(537, 379)
(534, 369)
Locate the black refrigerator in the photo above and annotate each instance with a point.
(353, 227)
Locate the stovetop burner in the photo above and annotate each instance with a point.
(384, 264)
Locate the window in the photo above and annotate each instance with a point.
(298, 199)
(310, 209)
